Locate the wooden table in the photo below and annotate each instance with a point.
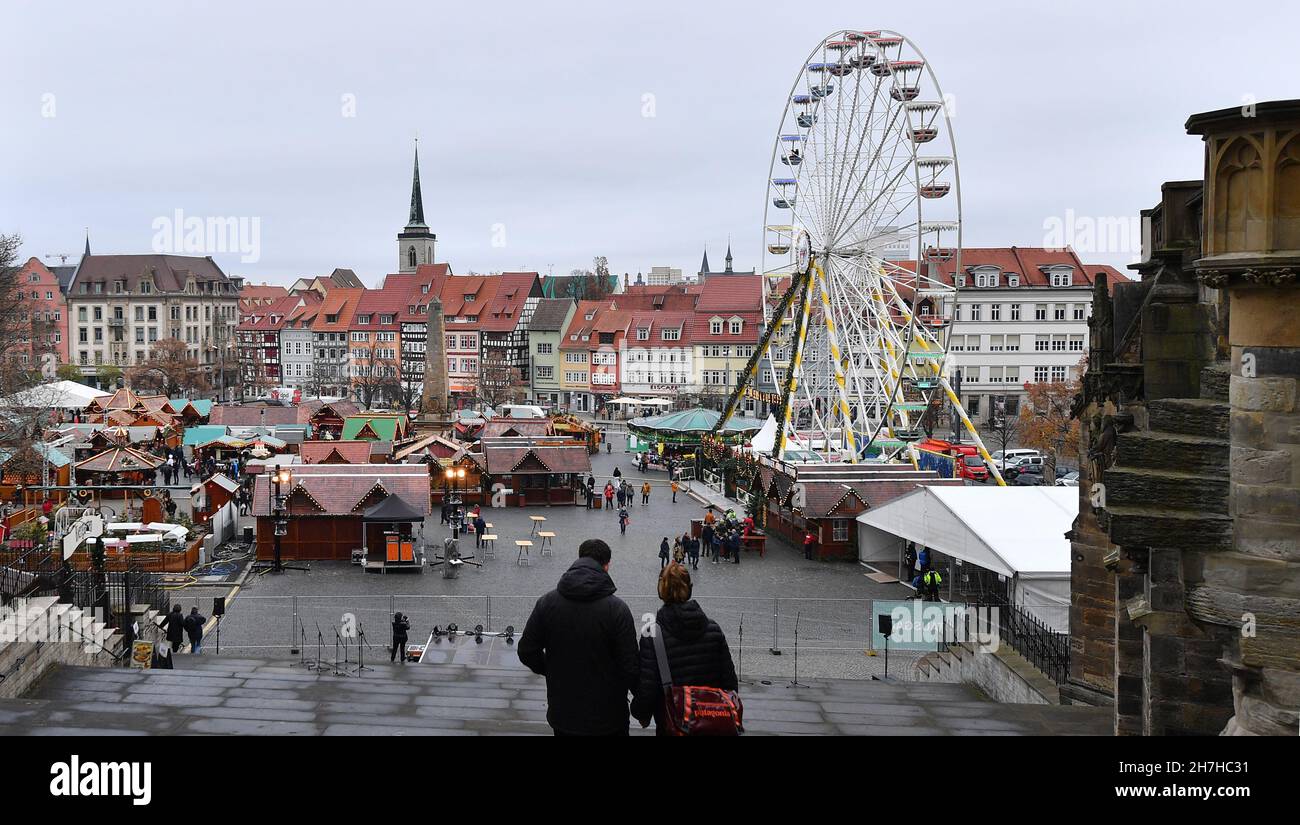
(537, 522)
(489, 545)
(754, 541)
(547, 542)
(525, 550)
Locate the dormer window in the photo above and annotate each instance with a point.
(715, 326)
(643, 334)
(1061, 277)
(469, 299)
(590, 316)
(363, 319)
(961, 280)
(1013, 280)
(736, 326)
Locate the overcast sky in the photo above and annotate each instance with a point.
(532, 127)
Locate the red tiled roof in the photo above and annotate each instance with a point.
(499, 427)
(341, 303)
(250, 415)
(655, 323)
(1027, 262)
(507, 305)
(506, 460)
(350, 452)
(340, 489)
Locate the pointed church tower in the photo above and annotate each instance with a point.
(728, 269)
(704, 267)
(415, 243)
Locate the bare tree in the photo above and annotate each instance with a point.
(499, 383)
(1004, 433)
(170, 370)
(376, 377)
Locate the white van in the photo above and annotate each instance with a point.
(1014, 458)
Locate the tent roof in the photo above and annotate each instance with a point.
(392, 508)
(1009, 530)
(696, 420)
(63, 395)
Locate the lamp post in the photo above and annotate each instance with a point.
(280, 511)
(453, 478)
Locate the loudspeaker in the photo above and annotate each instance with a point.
(218, 605)
(886, 622)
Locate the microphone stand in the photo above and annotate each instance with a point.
(740, 677)
(361, 634)
(795, 683)
(320, 644)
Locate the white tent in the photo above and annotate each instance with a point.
(765, 439)
(59, 395)
(1015, 532)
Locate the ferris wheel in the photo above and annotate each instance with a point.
(863, 217)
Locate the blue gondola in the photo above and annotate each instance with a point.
(802, 99)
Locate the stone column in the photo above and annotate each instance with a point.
(434, 399)
(1252, 234)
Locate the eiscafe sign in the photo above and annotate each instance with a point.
(88, 526)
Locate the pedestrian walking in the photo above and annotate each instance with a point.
(808, 541)
(693, 647)
(194, 629)
(609, 496)
(622, 520)
(663, 553)
(174, 626)
(674, 491)
(582, 638)
(401, 625)
(645, 494)
(693, 552)
(480, 527)
(733, 546)
(622, 496)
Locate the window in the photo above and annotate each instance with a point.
(363, 320)
(153, 313)
(671, 334)
(1061, 278)
(736, 325)
(1013, 281)
(957, 343)
(643, 334)
(973, 405)
(81, 314)
(1040, 374)
(139, 335)
(1040, 313)
(544, 349)
(715, 326)
(840, 530)
(1058, 373)
(975, 311)
(1042, 343)
(1058, 313)
(995, 312)
(1078, 312)
(1076, 343)
(1015, 312)
(81, 335)
(957, 313)
(545, 372)
(385, 319)
(99, 313)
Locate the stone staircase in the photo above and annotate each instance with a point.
(1168, 486)
(224, 695)
(52, 633)
(1005, 675)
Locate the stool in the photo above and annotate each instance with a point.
(537, 522)
(525, 551)
(489, 545)
(547, 542)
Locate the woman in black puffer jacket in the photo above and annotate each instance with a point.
(697, 649)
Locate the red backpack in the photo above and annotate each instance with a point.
(695, 710)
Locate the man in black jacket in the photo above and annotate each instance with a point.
(582, 638)
(174, 625)
(194, 629)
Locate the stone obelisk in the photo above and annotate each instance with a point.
(434, 399)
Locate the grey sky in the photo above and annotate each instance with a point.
(530, 116)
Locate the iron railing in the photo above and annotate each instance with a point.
(1046, 649)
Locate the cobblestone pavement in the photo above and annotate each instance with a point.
(830, 600)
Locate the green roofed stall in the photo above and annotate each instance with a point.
(687, 427)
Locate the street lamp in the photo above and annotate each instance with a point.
(279, 510)
(453, 478)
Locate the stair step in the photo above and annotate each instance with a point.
(1174, 489)
(1215, 380)
(1170, 451)
(1190, 416)
(1159, 527)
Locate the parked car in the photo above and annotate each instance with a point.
(1070, 479)
(1029, 480)
(1018, 465)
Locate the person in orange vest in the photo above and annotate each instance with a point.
(645, 493)
(674, 491)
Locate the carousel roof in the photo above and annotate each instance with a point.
(120, 460)
(696, 420)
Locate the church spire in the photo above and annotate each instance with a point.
(704, 267)
(417, 199)
(728, 254)
(87, 240)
